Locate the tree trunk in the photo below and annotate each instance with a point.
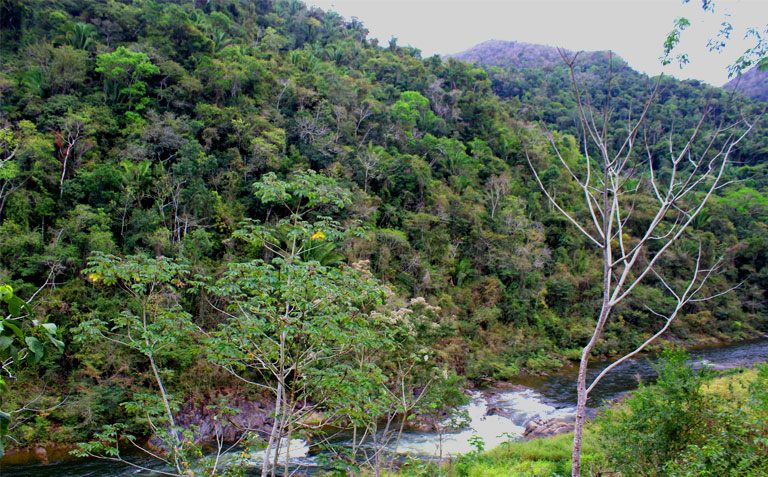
(581, 407)
(274, 433)
(605, 310)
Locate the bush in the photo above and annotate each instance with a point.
(737, 443)
(680, 427)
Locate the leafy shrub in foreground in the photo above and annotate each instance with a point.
(680, 428)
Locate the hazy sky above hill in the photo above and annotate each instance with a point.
(634, 29)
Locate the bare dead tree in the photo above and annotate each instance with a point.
(610, 184)
(168, 195)
(285, 83)
(495, 190)
(362, 113)
(369, 159)
(71, 143)
(312, 129)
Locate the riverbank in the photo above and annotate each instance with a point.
(545, 456)
(513, 408)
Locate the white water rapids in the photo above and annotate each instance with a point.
(512, 411)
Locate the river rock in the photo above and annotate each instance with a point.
(206, 424)
(41, 454)
(546, 427)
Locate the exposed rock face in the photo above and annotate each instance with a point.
(206, 424)
(42, 454)
(247, 415)
(546, 427)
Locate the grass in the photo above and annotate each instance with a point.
(733, 383)
(548, 457)
(537, 457)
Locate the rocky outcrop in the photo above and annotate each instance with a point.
(42, 454)
(546, 427)
(243, 414)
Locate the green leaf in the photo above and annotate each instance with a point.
(57, 343)
(13, 327)
(16, 305)
(5, 342)
(6, 292)
(36, 347)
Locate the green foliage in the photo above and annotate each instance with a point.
(23, 341)
(124, 72)
(306, 190)
(182, 108)
(81, 35)
(734, 442)
(155, 326)
(22, 338)
(680, 427)
(412, 110)
(658, 422)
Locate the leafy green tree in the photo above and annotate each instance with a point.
(80, 36)
(62, 69)
(23, 341)
(291, 324)
(9, 145)
(412, 111)
(391, 377)
(124, 72)
(152, 325)
(291, 320)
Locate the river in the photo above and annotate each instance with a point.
(550, 396)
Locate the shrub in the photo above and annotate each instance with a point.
(682, 427)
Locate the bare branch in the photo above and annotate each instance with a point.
(557, 206)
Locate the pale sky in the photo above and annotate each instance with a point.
(634, 29)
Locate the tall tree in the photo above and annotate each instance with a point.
(152, 325)
(616, 177)
(291, 319)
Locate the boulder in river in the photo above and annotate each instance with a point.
(42, 454)
(546, 427)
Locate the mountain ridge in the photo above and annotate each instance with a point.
(523, 55)
(752, 84)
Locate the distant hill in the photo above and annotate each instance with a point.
(753, 84)
(536, 78)
(515, 56)
(521, 55)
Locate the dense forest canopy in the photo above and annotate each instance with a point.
(185, 133)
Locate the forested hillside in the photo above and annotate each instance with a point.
(156, 159)
(520, 55)
(537, 77)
